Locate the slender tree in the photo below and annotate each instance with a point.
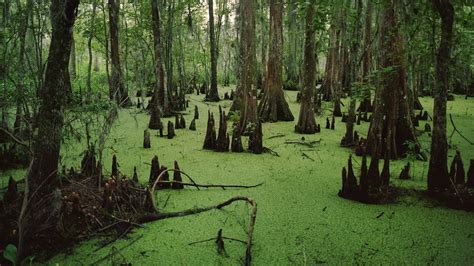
(438, 178)
(89, 48)
(273, 106)
(348, 139)
(306, 122)
(160, 99)
(117, 89)
(366, 104)
(213, 94)
(39, 215)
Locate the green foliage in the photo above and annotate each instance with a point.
(10, 253)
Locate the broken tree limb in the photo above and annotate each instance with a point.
(459, 132)
(304, 143)
(248, 252)
(211, 185)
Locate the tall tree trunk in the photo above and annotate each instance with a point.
(117, 89)
(306, 122)
(39, 216)
(292, 77)
(21, 64)
(213, 94)
(366, 104)
(327, 87)
(160, 99)
(438, 178)
(170, 86)
(273, 107)
(248, 111)
(391, 126)
(353, 40)
(89, 48)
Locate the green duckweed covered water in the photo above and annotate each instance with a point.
(300, 218)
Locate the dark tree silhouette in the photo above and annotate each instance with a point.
(37, 217)
(438, 178)
(306, 122)
(273, 107)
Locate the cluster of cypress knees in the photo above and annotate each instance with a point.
(180, 123)
(220, 142)
(81, 202)
(372, 183)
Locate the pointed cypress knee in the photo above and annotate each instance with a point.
(135, 175)
(222, 145)
(470, 175)
(427, 128)
(356, 137)
(176, 122)
(114, 166)
(373, 175)
(196, 112)
(328, 124)
(171, 133)
(236, 145)
(333, 123)
(460, 173)
(164, 178)
(351, 179)
(161, 129)
(154, 171)
(146, 139)
(192, 126)
(255, 139)
(182, 122)
(344, 190)
(210, 139)
(405, 173)
(177, 177)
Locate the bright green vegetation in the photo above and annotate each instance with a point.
(300, 218)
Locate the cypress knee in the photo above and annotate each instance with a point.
(182, 122)
(192, 126)
(255, 139)
(154, 171)
(210, 139)
(222, 145)
(196, 112)
(177, 177)
(146, 139)
(171, 133)
(114, 166)
(165, 177)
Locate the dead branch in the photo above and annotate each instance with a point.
(22, 143)
(310, 144)
(214, 238)
(459, 132)
(211, 185)
(248, 252)
(306, 155)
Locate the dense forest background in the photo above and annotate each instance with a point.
(84, 81)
